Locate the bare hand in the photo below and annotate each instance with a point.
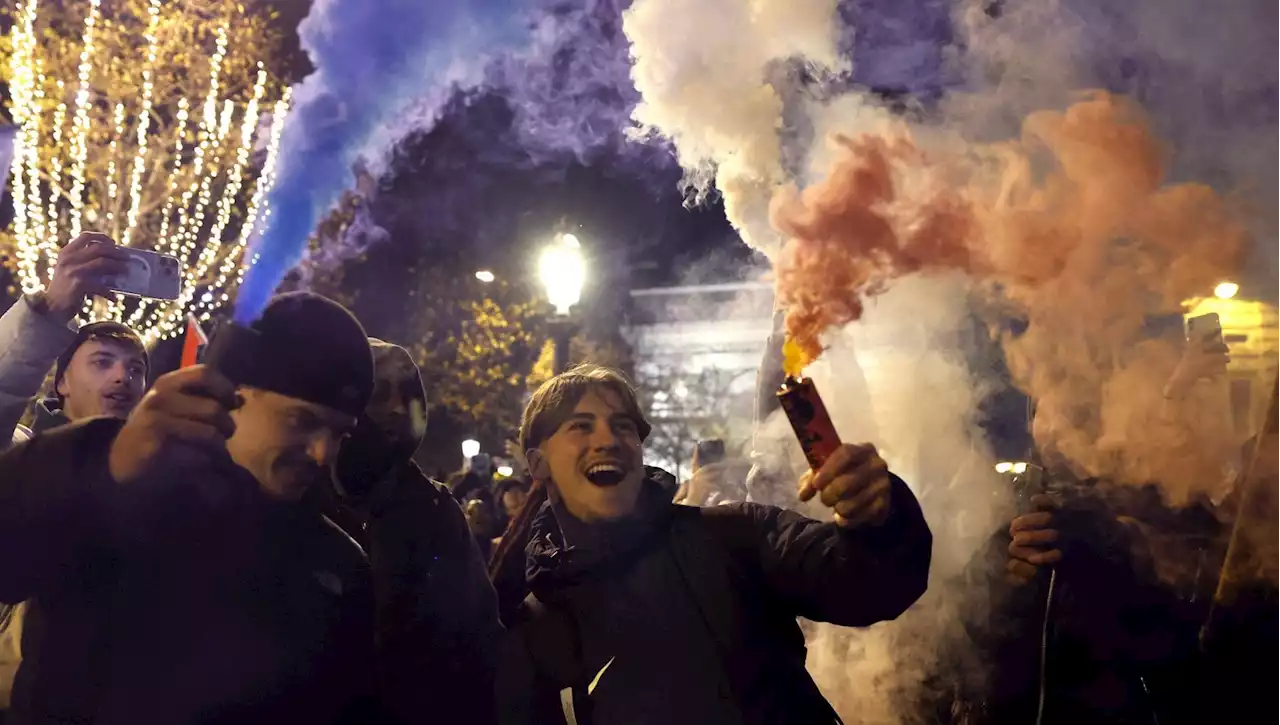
(83, 268)
(704, 482)
(1033, 538)
(1201, 360)
(186, 411)
(855, 482)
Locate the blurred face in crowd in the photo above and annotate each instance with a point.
(513, 500)
(286, 443)
(593, 459)
(398, 405)
(479, 518)
(105, 376)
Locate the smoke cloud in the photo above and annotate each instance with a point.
(571, 90)
(703, 84)
(370, 56)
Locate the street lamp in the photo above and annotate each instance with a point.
(470, 448)
(485, 276)
(563, 272)
(1226, 290)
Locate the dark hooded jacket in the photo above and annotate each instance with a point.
(192, 598)
(686, 615)
(1097, 638)
(436, 612)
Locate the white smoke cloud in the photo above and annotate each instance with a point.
(702, 71)
(906, 357)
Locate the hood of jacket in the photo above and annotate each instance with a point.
(563, 550)
(378, 447)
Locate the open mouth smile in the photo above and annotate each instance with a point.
(606, 474)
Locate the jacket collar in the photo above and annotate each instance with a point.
(563, 550)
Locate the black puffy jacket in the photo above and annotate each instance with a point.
(686, 615)
(189, 599)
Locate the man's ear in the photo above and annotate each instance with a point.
(538, 468)
(61, 387)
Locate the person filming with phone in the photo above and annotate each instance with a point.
(101, 366)
(173, 573)
(99, 369)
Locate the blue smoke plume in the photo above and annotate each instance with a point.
(370, 57)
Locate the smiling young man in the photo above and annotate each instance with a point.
(643, 611)
(100, 368)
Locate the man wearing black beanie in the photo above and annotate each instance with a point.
(174, 576)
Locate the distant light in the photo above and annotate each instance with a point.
(1226, 290)
(485, 276)
(470, 448)
(1004, 467)
(570, 240)
(1020, 467)
(506, 471)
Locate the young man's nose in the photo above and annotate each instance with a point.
(121, 373)
(323, 448)
(603, 438)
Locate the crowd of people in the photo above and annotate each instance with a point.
(254, 544)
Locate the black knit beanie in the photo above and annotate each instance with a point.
(303, 346)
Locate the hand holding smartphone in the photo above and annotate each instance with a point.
(1204, 357)
(1206, 331)
(708, 452)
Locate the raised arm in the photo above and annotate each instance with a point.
(828, 573)
(30, 342)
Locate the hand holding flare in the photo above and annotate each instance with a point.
(851, 479)
(855, 483)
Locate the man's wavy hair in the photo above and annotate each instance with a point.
(555, 400)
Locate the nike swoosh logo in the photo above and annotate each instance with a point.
(592, 687)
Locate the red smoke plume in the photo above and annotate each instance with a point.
(880, 214)
(1077, 225)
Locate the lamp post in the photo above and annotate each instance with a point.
(563, 272)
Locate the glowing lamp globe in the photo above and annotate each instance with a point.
(563, 272)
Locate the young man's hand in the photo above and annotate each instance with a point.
(83, 268)
(186, 412)
(1033, 538)
(855, 483)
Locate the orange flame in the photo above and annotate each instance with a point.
(794, 358)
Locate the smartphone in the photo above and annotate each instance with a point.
(709, 452)
(150, 274)
(1206, 330)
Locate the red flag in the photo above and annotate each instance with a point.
(195, 340)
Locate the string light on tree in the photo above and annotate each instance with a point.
(199, 194)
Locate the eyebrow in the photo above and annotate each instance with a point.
(613, 417)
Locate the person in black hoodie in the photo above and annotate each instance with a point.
(172, 575)
(644, 611)
(436, 613)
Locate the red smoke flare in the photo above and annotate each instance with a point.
(1076, 224)
(880, 214)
